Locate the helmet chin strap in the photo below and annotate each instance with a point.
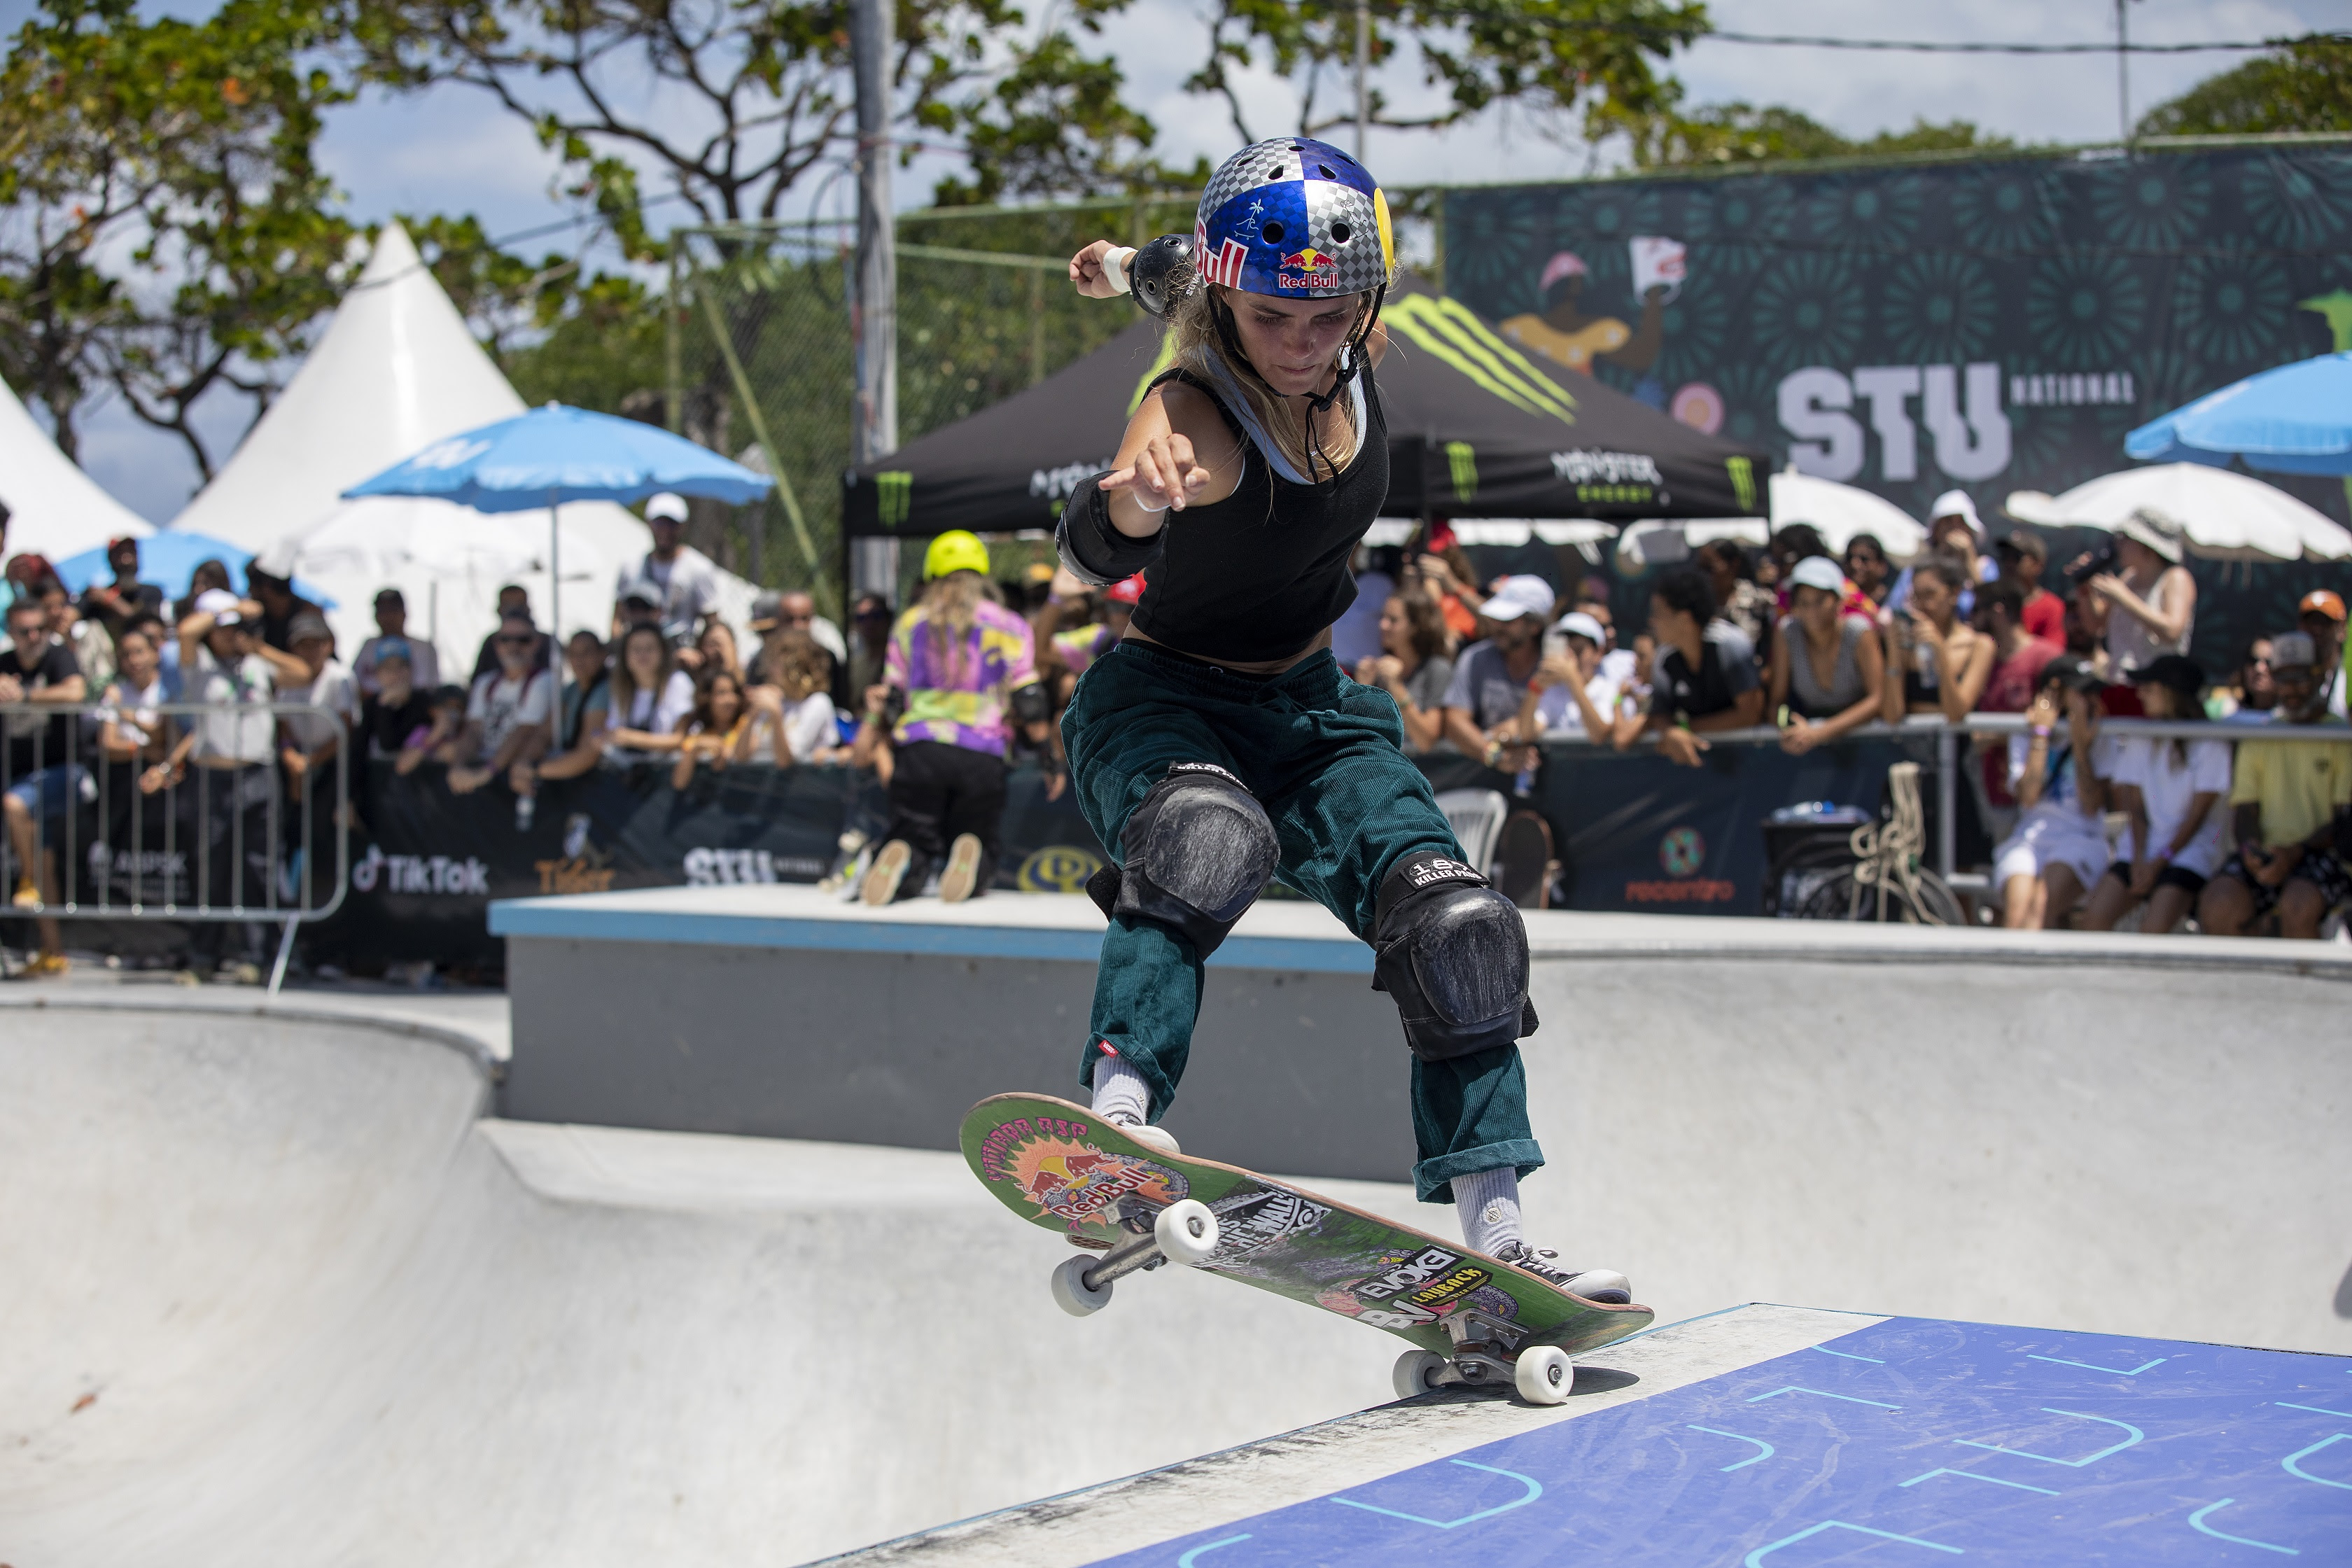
(1350, 364)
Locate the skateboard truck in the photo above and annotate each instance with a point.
(1488, 1353)
(1185, 1232)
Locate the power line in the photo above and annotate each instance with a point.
(1925, 46)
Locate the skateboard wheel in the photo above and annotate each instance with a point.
(1416, 1372)
(1187, 1232)
(1071, 1291)
(1544, 1374)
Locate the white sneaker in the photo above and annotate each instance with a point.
(1603, 1285)
(1158, 1139)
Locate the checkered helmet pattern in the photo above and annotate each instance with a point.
(1297, 218)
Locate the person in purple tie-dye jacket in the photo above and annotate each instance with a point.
(965, 669)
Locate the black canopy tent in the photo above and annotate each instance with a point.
(1475, 430)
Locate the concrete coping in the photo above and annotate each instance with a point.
(1294, 935)
(470, 1047)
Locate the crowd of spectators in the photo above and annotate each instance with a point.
(2091, 829)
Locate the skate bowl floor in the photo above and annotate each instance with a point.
(277, 1294)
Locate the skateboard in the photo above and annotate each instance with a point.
(1469, 1320)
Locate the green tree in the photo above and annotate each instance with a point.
(1718, 135)
(163, 224)
(1547, 58)
(2306, 86)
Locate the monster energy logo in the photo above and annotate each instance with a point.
(1743, 481)
(894, 491)
(1462, 460)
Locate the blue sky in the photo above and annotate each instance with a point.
(451, 150)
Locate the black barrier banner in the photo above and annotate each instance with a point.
(1633, 833)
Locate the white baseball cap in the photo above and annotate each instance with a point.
(665, 505)
(221, 605)
(1955, 503)
(1519, 597)
(1817, 571)
(1577, 623)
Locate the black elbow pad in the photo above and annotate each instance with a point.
(1161, 275)
(1030, 704)
(1096, 553)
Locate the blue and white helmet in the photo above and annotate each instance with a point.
(1297, 218)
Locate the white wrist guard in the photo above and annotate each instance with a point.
(1114, 265)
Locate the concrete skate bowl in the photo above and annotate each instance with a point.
(2112, 1135)
(277, 1296)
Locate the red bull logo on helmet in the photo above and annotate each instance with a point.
(1308, 268)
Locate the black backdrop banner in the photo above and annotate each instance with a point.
(1992, 323)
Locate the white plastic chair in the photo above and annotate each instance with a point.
(1477, 818)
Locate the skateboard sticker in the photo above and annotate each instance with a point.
(1053, 1167)
(1280, 1217)
(1411, 1288)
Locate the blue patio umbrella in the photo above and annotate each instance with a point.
(2296, 419)
(168, 559)
(555, 454)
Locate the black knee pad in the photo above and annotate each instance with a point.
(1453, 952)
(1199, 850)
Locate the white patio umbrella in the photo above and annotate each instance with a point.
(1838, 512)
(2228, 516)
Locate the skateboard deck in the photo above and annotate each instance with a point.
(1057, 1165)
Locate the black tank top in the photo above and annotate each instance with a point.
(1259, 574)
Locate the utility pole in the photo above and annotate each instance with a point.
(2122, 68)
(1363, 68)
(874, 562)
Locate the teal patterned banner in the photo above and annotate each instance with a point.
(1993, 326)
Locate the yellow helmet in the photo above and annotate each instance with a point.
(957, 551)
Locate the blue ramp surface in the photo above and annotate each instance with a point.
(1910, 1442)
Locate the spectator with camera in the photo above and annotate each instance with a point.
(1570, 695)
(2149, 600)
(233, 752)
(2171, 790)
(2059, 770)
(1703, 676)
(1828, 670)
(2288, 813)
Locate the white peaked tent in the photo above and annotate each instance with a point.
(395, 371)
(54, 508)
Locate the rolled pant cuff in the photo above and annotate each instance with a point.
(1156, 1081)
(1433, 1179)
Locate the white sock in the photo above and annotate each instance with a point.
(1488, 1202)
(1121, 1095)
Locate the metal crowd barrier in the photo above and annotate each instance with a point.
(1949, 735)
(233, 840)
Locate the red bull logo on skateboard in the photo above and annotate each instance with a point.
(1308, 268)
(1052, 1166)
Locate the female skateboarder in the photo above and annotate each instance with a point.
(1220, 742)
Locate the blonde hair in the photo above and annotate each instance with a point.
(949, 604)
(1201, 348)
